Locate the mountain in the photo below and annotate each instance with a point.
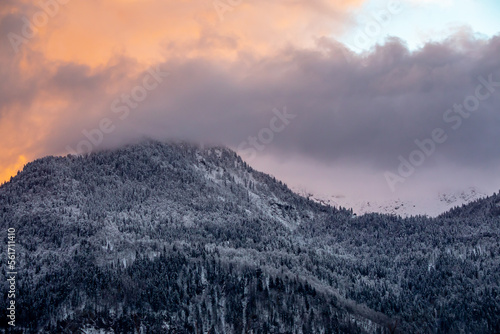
(483, 208)
(176, 238)
(431, 206)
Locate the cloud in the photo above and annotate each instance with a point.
(370, 110)
(226, 77)
(63, 62)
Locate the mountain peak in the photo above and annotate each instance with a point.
(176, 237)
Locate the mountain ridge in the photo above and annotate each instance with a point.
(180, 238)
(432, 206)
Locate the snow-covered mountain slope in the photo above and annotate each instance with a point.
(175, 238)
(431, 206)
(138, 239)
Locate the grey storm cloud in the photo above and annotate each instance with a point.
(367, 109)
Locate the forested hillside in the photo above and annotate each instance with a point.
(175, 238)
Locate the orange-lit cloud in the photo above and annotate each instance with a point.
(74, 57)
(12, 169)
(228, 69)
(91, 32)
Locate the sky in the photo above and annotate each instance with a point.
(419, 22)
(369, 99)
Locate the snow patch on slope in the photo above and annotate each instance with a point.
(431, 206)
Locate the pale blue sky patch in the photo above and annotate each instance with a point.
(420, 21)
